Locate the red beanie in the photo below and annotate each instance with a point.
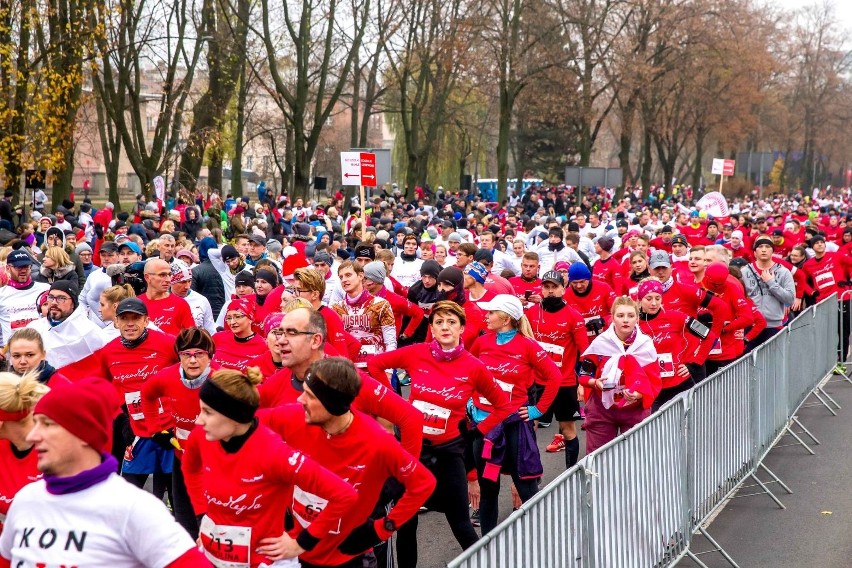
(293, 262)
(86, 408)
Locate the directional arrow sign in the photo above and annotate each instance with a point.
(358, 168)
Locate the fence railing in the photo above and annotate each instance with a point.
(639, 500)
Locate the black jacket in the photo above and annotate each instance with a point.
(207, 281)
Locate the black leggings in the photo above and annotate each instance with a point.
(489, 509)
(449, 497)
(181, 505)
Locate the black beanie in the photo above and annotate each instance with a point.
(69, 288)
(430, 268)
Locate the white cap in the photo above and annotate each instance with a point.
(737, 235)
(504, 303)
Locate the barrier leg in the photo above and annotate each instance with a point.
(695, 559)
(799, 440)
(806, 431)
(776, 478)
(718, 548)
(764, 490)
(819, 392)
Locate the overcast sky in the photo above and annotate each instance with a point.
(842, 9)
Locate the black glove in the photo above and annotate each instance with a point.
(164, 439)
(595, 325)
(360, 540)
(121, 426)
(99, 231)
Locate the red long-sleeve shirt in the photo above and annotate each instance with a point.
(609, 272)
(343, 341)
(674, 343)
(759, 322)
(402, 308)
(474, 325)
(596, 302)
(128, 369)
(689, 299)
(522, 286)
(253, 487)
(827, 272)
(183, 401)
(374, 399)
(645, 380)
(440, 389)
(171, 314)
(563, 335)
(14, 474)
(364, 456)
(731, 343)
(516, 366)
(232, 353)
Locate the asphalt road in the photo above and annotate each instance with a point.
(814, 528)
(813, 531)
(436, 544)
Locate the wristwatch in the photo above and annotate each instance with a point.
(390, 526)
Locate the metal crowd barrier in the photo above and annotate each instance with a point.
(639, 500)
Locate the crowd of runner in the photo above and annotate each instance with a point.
(206, 381)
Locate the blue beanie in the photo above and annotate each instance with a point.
(205, 245)
(579, 271)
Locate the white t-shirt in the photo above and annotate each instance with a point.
(18, 308)
(109, 524)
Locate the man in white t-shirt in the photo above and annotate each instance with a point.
(82, 513)
(18, 298)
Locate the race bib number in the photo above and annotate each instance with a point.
(666, 365)
(717, 347)
(226, 546)
(133, 400)
(825, 280)
(556, 352)
(435, 418)
(504, 386)
(307, 506)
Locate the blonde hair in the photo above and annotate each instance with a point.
(242, 387)
(151, 247)
(296, 304)
(625, 301)
(522, 325)
(58, 255)
(385, 255)
(115, 294)
(27, 334)
(20, 393)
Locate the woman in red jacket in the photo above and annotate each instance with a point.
(18, 461)
(244, 479)
(731, 342)
(677, 339)
(238, 345)
(179, 384)
(517, 362)
(444, 376)
(621, 376)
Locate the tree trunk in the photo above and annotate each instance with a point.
(239, 136)
(504, 130)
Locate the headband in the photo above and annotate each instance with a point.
(650, 287)
(334, 401)
(213, 396)
(17, 416)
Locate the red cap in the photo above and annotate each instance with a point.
(86, 409)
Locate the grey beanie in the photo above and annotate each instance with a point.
(375, 271)
(82, 247)
(454, 237)
(273, 245)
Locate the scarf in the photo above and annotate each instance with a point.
(136, 342)
(504, 337)
(22, 286)
(197, 381)
(619, 371)
(45, 370)
(443, 355)
(639, 277)
(83, 480)
(360, 300)
(408, 257)
(668, 284)
(556, 247)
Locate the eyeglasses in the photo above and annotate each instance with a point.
(298, 291)
(58, 299)
(160, 274)
(235, 317)
(290, 332)
(193, 354)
